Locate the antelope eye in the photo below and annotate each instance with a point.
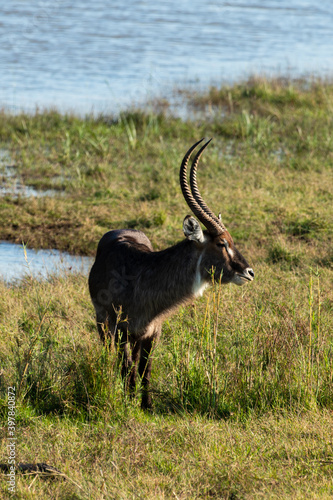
(224, 243)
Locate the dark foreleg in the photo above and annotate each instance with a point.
(124, 353)
(136, 351)
(145, 366)
(102, 322)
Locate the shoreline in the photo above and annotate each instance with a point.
(169, 99)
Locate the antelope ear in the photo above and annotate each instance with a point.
(192, 229)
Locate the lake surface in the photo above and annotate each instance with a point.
(104, 55)
(38, 263)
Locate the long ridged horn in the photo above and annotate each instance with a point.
(213, 227)
(195, 190)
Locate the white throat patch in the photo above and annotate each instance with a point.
(199, 285)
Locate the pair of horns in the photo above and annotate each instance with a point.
(193, 197)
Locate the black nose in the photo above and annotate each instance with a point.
(251, 272)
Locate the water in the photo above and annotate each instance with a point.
(39, 263)
(103, 55)
(11, 182)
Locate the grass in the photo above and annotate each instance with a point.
(242, 379)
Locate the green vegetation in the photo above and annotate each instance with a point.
(242, 380)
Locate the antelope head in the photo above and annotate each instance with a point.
(218, 251)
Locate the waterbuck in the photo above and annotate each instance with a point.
(133, 288)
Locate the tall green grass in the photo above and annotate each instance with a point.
(235, 353)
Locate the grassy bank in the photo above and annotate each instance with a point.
(242, 379)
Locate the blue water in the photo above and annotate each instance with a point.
(103, 55)
(15, 264)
